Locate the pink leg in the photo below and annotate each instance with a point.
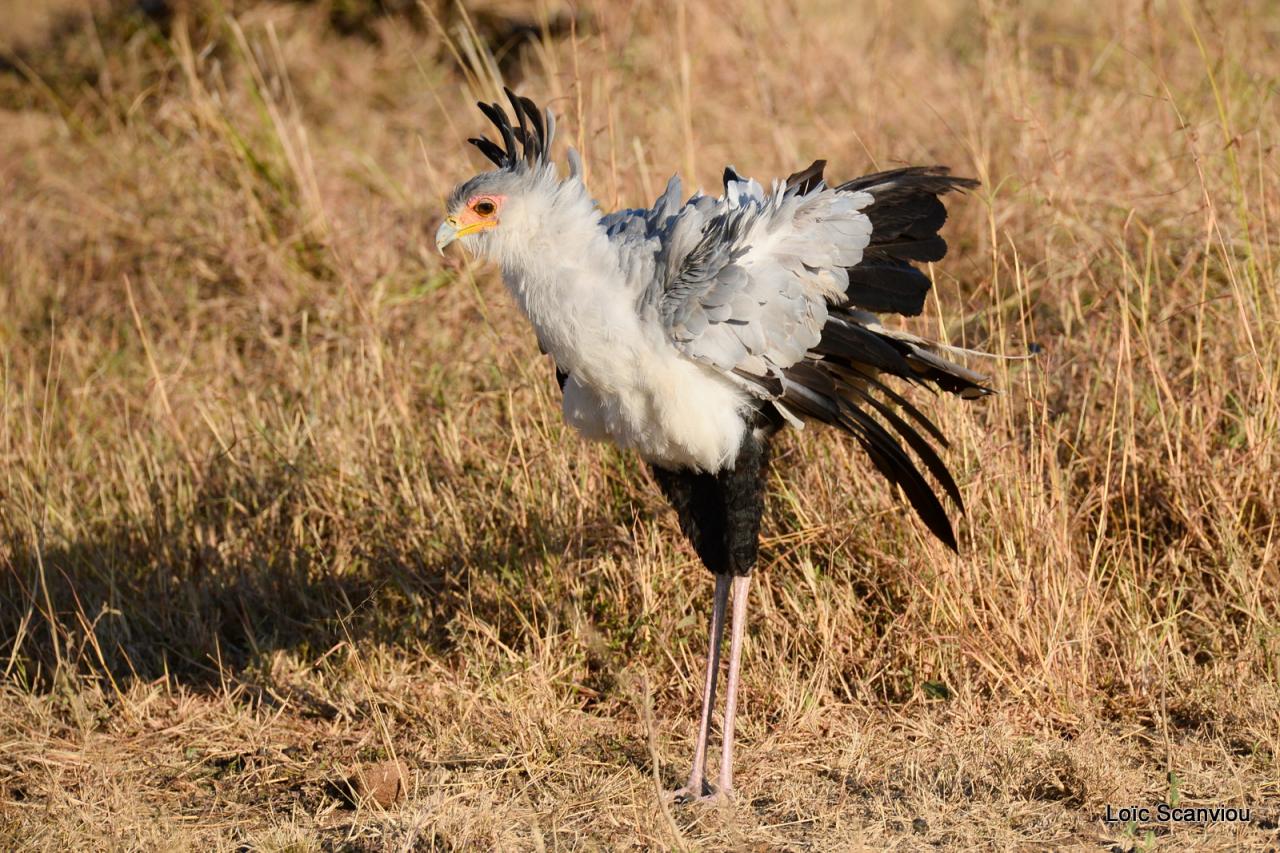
(696, 787)
(741, 586)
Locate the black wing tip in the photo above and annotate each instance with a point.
(889, 286)
(906, 213)
(962, 185)
(950, 181)
(936, 179)
(807, 178)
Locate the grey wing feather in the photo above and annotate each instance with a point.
(637, 233)
(745, 280)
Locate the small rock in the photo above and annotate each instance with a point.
(383, 783)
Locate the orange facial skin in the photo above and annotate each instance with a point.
(480, 213)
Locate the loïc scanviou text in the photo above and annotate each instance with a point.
(1165, 813)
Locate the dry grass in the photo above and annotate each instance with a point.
(284, 495)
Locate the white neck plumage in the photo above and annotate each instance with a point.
(564, 274)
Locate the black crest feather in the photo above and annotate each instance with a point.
(528, 141)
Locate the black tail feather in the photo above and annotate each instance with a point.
(917, 442)
(894, 464)
(842, 384)
(903, 403)
(849, 342)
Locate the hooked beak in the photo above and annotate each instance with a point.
(451, 230)
(446, 233)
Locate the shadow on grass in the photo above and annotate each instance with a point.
(253, 567)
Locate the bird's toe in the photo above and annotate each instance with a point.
(707, 796)
(686, 794)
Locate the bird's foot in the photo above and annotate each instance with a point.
(702, 794)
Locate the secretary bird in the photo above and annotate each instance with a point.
(692, 332)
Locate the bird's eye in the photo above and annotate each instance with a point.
(484, 208)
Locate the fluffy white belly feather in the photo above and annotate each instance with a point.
(627, 383)
(672, 411)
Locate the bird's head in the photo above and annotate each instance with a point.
(502, 207)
